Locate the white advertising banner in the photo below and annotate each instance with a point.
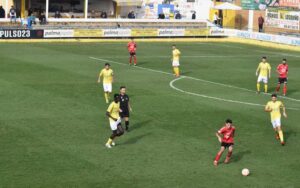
(170, 32)
(268, 37)
(58, 33)
(116, 32)
(283, 19)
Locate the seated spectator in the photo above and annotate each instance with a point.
(57, 14)
(2, 12)
(13, 14)
(178, 16)
(194, 15)
(93, 14)
(131, 15)
(42, 19)
(161, 16)
(103, 14)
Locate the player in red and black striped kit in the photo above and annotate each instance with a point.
(131, 46)
(226, 142)
(124, 106)
(282, 70)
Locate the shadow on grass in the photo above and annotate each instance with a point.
(135, 139)
(288, 134)
(138, 125)
(239, 155)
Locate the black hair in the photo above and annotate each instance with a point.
(264, 57)
(228, 120)
(122, 87)
(283, 59)
(107, 64)
(116, 95)
(274, 95)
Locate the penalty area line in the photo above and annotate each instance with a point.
(215, 98)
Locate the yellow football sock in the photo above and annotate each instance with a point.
(109, 141)
(258, 86)
(106, 97)
(280, 135)
(178, 72)
(174, 70)
(266, 88)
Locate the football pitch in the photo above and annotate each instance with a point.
(53, 123)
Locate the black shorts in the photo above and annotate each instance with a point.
(124, 113)
(132, 53)
(226, 145)
(282, 80)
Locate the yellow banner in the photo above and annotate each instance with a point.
(196, 32)
(88, 33)
(144, 32)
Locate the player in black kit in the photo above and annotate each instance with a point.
(124, 106)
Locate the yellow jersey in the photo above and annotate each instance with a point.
(176, 54)
(114, 110)
(107, 75)
(275, 107)
(263, 69)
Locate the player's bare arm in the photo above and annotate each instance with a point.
(108, 115)
(219, 137)
(268, 109)
(284, 112)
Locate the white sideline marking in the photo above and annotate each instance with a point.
(189, 77)
(215, 98)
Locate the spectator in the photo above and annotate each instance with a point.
(260, 23)
(161, 16)
(93, 14)
(131, 15)
(178, 16)
(2, 12)
(29, 12)
(57, 14)
(216, 18)
(103, 14)
(13, 14)
(194, 15)
(42, 19)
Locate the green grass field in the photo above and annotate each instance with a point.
(53, 124)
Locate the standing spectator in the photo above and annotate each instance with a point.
(13, 14)
(216, 18)
(194, 15)
(2, 12)
(260, 23)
